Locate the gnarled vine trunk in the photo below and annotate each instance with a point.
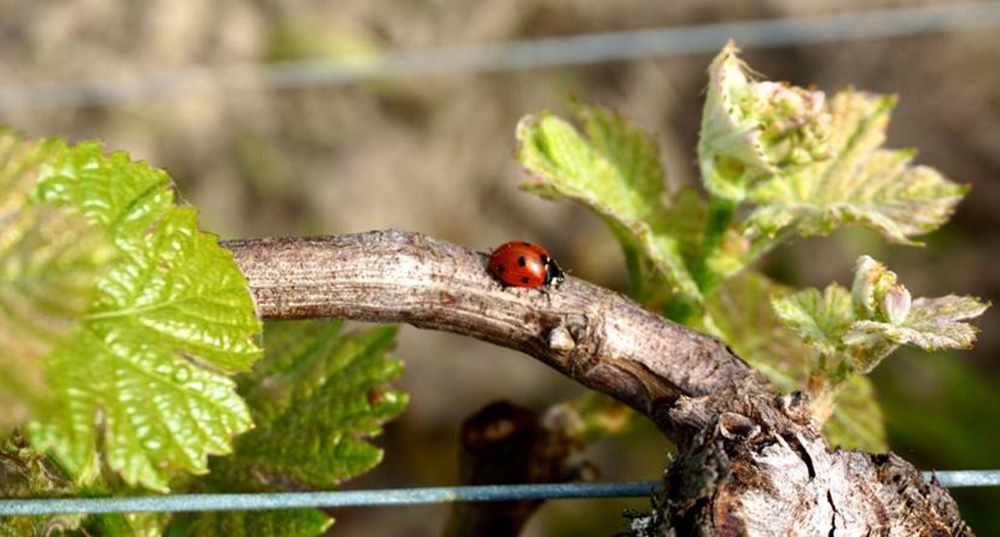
(752, 461)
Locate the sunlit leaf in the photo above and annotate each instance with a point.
(614, 169)
(172, 315)
(887, 317)
(752, 131)
(820, 319)
(859, 184)
(865, 326)
(933, 324)
(49, 261)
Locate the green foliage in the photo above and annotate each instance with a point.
(810, 166)
(25, 473)
(614, 169)
(820, 318)
(804, 165)
(283, 523)
(122, 524)
(128, 334)
(315, 397)
(291, 39)
(748, 324)
(744, 315)
(49, 261)
(857, 421)
(859, 329)
(171, 316)
(933, 324)
(752, 131)
(859, 184)
(853, 332)
(135, 322)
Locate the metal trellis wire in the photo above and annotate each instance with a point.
(529, 54)
(384, 497)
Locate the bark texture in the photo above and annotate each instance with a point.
(752, 461)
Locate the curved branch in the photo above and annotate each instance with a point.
(752, 462)
(593, 335)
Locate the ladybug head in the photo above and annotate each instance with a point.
(553, 274)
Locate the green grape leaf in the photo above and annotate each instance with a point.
(614, 169)
(145, 375)
(752, 131)
(857, 421)
(859, 183)
(820, 319)
(25, 473)
(887, 317)
(743, 310)
(315, 397)
(127, 524)
(49, 262)
(932, 324)
(281, 523)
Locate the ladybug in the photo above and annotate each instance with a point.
(522, 264)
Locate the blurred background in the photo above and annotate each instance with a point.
(292, 150)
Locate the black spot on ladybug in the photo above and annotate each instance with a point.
(522, 261)
(524, 280)
(526, 243)
(500, 269)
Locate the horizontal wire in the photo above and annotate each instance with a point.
(413, 496)
(350, 498)
(514, 55)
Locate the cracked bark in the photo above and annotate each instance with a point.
(752, 462)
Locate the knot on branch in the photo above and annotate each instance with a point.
(569, 332)
(733, 426)
(561, 341)
(741, 410)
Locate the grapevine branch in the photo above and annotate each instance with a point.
(751, 460)
(593, 335)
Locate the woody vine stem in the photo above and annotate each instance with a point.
(751, 460)
(593, 335)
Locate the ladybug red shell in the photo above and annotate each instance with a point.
(522, 264)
